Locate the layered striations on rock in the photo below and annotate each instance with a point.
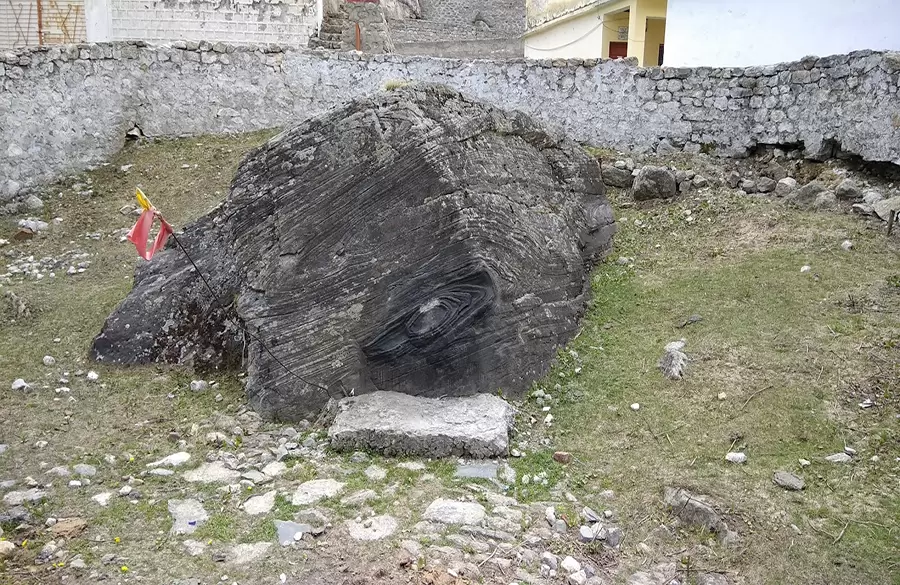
(417, 241)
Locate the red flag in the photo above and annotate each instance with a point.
(141, 230)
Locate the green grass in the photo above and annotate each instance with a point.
(781, 345)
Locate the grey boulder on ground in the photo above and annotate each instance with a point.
(616, 177)
(654, 183)
(884, 207)
(788, 480)
(187, 515)
(416, 241)
(806, 195)
(399, 424)
(694, 511)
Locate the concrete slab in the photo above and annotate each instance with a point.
(399, 424)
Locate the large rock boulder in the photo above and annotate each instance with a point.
(654, 183)
(416, 241)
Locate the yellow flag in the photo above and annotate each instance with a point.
(142, 200)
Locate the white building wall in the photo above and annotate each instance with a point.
(735, 33)
(286, 22)
(580, 37)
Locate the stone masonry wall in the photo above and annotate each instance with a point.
(234, 21)
(67, 107)
(501, 17)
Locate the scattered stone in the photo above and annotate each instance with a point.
(849, 450)
(589, 515)
(872, 197)
(68, 527)
(578, 578)
(187, 515)
(75, 483)
(375, 528)
(59, 471)
(475, 426)
(788, 480)
(614, 536)
(77, 563)
(359, 498)
(274, 469)
(824, 200)
(31, 496)
(805, 269)
(244, 554)
(217, 438)
(635, 406)
(375, 473)
(49, 360)
(735, 457)
(654, 183)
(214, 472)
(194, 548)
(674, 360)
(560, 526)
(92, 376)
(454, 512)
(749, 186)
(173, 460)
(846, 245)
(563, 457)
(199, 385)
(85, 470)
(700, 182)
(804, 462)
(570, 565)
(711, 579)
(33, 203)
(486, 470)
(806, 195)
(412, 465)
(848, 190)
(125, 490)
(592, 533)
(839, 458)
(766, 185)
(733, 179)
(102, 498)
(620, 178)
(315, 490)
(20, 384)
(7, 549)
(884, 207)
(257, 477)
(258, 505)
(160, 472)
(785, 187)
(291, 532)
(693, 511)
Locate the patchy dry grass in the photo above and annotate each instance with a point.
(794, 354)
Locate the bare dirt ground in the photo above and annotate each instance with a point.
(780, 362)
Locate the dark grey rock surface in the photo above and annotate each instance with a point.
(417, 241)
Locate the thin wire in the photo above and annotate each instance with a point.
(602, 24)
(241, 325)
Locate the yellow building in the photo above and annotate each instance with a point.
(602, 28)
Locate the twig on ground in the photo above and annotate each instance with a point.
(820, 531)
(841, 535)
(754, 395)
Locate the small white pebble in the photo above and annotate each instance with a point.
(49, 360)
(722, 396)
(803, 462)
(635, 406)
(805, 269)
(847, 245)
(93, 376)
(849, 450)
(736, 457)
